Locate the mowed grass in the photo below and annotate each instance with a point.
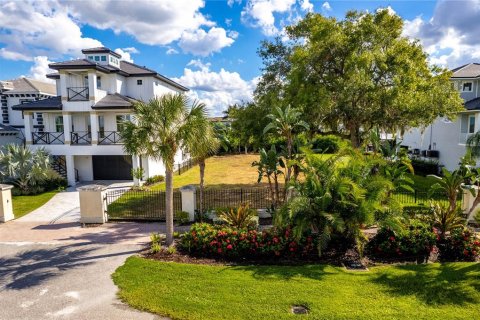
(23, 205)
(183, 291)
(220, 171)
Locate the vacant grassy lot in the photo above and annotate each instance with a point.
(182, 291)
(26, 204)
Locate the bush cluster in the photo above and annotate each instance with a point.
(154, 180)
(326, 144)
(425, 167)
(226, 242)
(459, 245)
(416, 240)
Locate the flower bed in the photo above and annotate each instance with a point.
(225, 242)
(459, 245)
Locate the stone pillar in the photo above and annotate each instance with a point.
(189, 200)
(93, 208)
(69, 160)
(67, 127)
(28, 121)
(6, 209)
(94, 127)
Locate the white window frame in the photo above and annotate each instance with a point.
(471, 86)
(474, 124)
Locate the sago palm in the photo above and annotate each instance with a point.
(163, 126)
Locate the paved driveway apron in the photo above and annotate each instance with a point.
(52, 268)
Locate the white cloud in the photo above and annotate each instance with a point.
(233, 34)
(42, 28)
(450, 37)
(260, 14)
(126, 53)
(217, 90)
(232, 2)
(203, 43)
(307, 6)
(228, 22)
(199, 64)
(171, 51)
(40, 69)
(326, 6)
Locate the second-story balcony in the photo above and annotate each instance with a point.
(109, 137)
(48, 138)
(78, 94)
(81, 137)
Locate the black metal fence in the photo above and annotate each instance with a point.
(147, 205)
(421, 197)
(256, 198)
(184, 166)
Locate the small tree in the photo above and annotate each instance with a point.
(268, 167)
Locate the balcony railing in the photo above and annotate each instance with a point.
(81, 137)
(48, 138)
(109, 137)
(77, 94)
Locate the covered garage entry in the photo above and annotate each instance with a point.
(112, 167)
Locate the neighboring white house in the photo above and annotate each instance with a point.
(18, 91)
(82, 123)
(444, 140)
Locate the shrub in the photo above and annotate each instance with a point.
(241, 218)
(459, 245)
(416, 240)
(227, 242)
(156, 245)
(425, 167)
(154, 180)
(326, 144)
(182, 217)
(54, 181)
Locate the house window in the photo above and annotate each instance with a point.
(90, 57)
(97, 58)
(99, 82)
(121, 119)
(59, 124)
(139, 82)
(467, 87)
(471, 124)
(101, 126)
(104, 58)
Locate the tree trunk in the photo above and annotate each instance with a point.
(246, 150)
(289, 168)
(201, 164)
(354, 132)
(169, 206)
(270, 187)
(277, 190)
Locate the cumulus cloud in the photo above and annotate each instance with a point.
(39, 28)
(171, 51)
(326, 6)
(126, 53)
(217, 90)
(40, 69)
(260, 13)
(450, 37)
(204, 43)
(307, 6)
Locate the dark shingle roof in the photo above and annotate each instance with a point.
(101, 50)
(53, 103)
(471, 70)
(22, 85)
(473, 104)
(114, 101)
(4, 129)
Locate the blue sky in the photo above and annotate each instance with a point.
(209, 46)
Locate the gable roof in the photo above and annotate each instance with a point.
(114, 101)
(53, 103)
(26, 85)
(471, 70)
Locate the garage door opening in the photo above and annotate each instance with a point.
(112, 167)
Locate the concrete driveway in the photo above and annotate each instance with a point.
(52, 268)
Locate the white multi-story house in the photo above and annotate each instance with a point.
(82, 123)
(444, 140)
(18, 91)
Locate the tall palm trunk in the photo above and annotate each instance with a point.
(201, 164)
(169, 205)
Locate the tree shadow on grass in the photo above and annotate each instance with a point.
(444, 284)
(282, 272)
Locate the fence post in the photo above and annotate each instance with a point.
(92, 204)
(189, 200)
(6, 209)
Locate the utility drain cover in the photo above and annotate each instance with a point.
(298, 309)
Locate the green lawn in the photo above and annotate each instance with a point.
(26, 204)
(182, 291)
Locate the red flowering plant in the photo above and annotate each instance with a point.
(416, 240)
(460, 245)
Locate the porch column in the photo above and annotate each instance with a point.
(28, 121)
(63, 85)
(94, 126)
(67, 127)
(92, 85)
(136, 164)
(70, 170)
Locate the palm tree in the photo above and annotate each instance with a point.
(163, 126)
(286, 123)
(200, 152)
(450, 184)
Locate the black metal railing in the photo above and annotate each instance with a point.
(255, 198)
(109, 137)
(421, 197)
(124, 204)
(81, 137)
(184, 166)
(78, 93)
(48, 138)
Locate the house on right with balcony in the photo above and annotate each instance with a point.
(81, 125)
(444, 140)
